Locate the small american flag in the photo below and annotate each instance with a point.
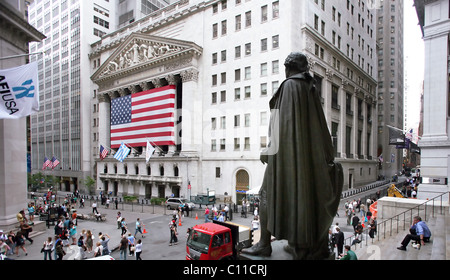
(103, 152)
(55, 162)
(47, 163)
(144, 115)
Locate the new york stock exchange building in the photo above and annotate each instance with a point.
(195, 79)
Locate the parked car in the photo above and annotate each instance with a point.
(174, 202)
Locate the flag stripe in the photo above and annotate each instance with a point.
(157, 134)
(142, 127)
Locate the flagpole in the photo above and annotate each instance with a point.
(154, 145)
(131, 147)
(20, 55)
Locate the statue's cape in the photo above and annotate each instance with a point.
(302, 182)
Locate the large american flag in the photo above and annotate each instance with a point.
(142, 116)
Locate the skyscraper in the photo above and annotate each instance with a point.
(62, 127)
(390, 76)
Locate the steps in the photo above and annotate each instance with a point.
(386, 247)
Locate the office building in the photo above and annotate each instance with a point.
(225, 60)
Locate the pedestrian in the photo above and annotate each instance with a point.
(47, 248)
(123, 226)
(362, 209)
(59, 250)
(339, 239)
(255, 223)
(25, 228)
(119, 220)
(82, 247)
(116, 202)
(20, 243)
(373, 227)
(173, 233)
(74, 217)
(31, 213)
(138, 250)
(355, 221)
(187, 209)
(94, 207)
(131, 244)
(368, 214)
(349, 255)
(108, 201)
(104, 240)
(138, 227)
(11, 242)
(73, 234)
(4, 248)
(123, 245)
(98, 251)
(419, 232)
(206, 214)
(89, 241)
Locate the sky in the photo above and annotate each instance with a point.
(414, 64)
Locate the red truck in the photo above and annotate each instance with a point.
(217, 241)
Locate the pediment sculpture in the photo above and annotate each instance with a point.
(139, 51)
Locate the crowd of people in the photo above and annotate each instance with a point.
(358, 215)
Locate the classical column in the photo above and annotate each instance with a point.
(13, 175)
(192, 134)
(342, 97)
(104, 116)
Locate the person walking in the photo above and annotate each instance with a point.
(20, 243)
(138, 250)
(47, 248)
(173, 233)
(123, 226)
(138, 228)
(339, 239)
(373, 227)
(131, 244)
(123, 245)
(59, 250)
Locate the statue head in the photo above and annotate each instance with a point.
(296, 62)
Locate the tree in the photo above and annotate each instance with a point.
(89, 182)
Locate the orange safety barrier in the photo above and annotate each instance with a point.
(373, 209)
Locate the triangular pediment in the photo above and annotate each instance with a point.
(142, 50)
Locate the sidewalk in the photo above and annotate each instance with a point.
(110, 227)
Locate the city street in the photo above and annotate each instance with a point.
(156, 241)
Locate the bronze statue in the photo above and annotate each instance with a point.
(302, 184)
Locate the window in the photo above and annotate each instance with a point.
(263, 69)
(275, 9)
(215, 31)
(264, 14)
(263, 45)
(275, 42)
(237, 121)
(264, 89)
(218, 172)
(237, 144)
(334, 97)
(248, 19)
(238, 22)
(237, 75)
(248, 49)
(224, 27)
